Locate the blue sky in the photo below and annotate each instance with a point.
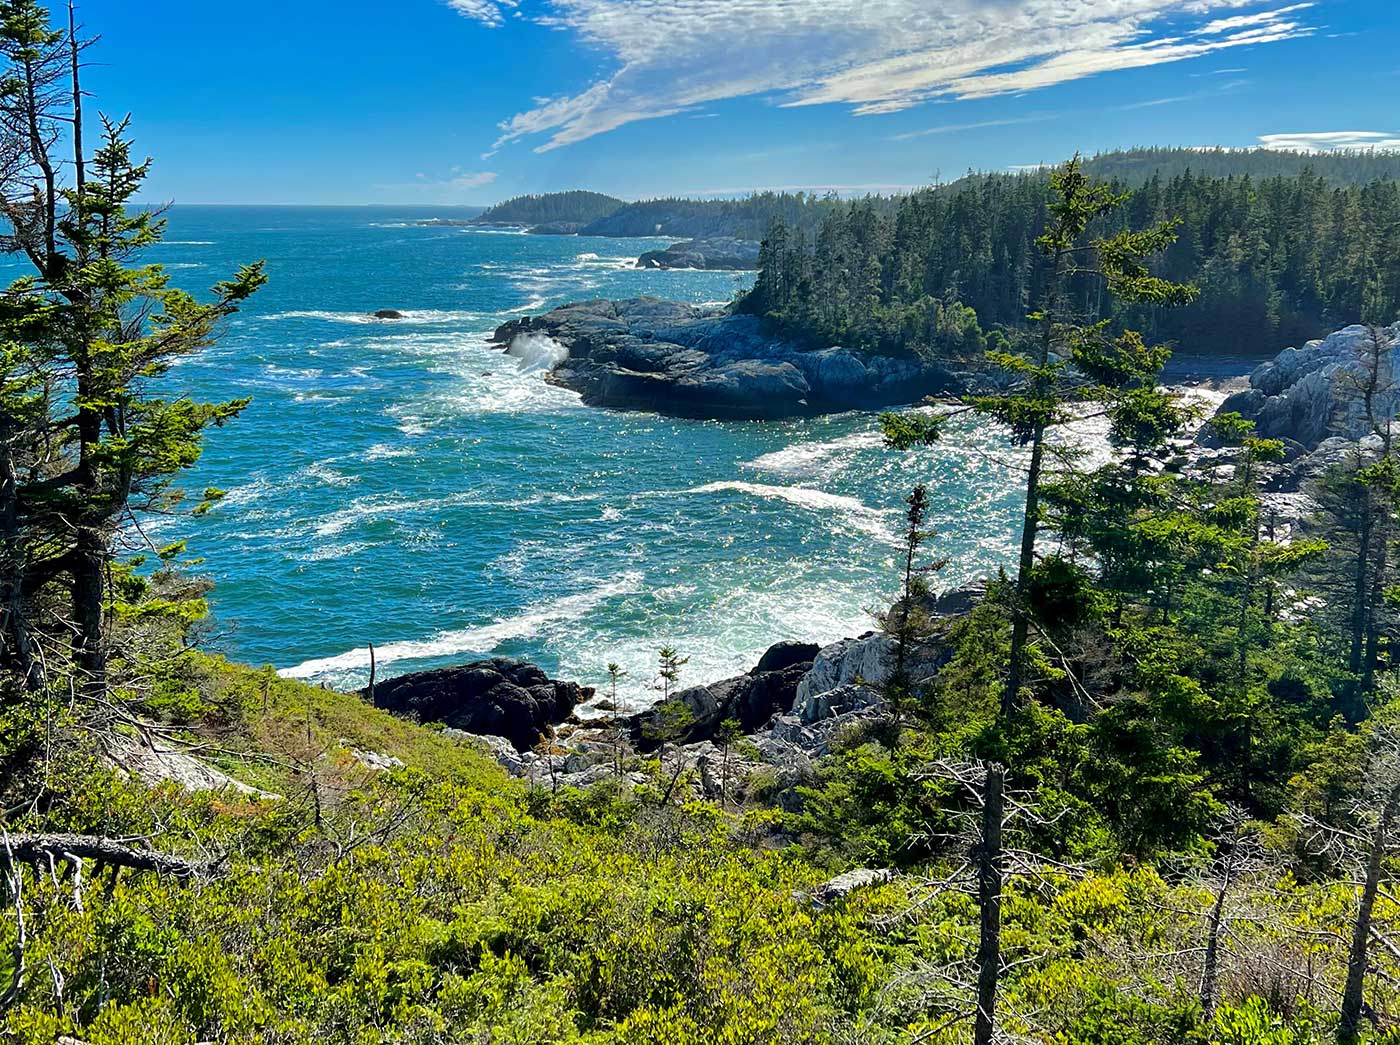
(471, 101)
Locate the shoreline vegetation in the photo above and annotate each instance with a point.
(1140, 787)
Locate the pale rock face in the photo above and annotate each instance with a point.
(499, 748)
(375, 760)
(1315, 392)
(153, 764)
(868, 660)
(843, 885)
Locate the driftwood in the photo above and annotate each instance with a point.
(44, 850)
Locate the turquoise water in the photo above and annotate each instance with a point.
(406, 484)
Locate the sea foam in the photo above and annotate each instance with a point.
(537, 352)
(482, 639)
(858, 515)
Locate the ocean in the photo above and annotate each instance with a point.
(404, 483)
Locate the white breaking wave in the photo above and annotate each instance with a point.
(858, 515)
(410, 317)
(537, 352)
(482, 639)
(529, 306)
(801, 458)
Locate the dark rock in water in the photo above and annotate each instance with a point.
(388, 313)
(725, 254)
(556, 228)
(498, 697)
(696, 361)
(696, 713)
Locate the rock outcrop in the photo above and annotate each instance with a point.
(697, 361)
(500, 697)
(1310, 394)
(724, 254)
(387, 313)
(556, 228)
(146, 758)
(696, 713)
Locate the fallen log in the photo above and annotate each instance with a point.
(47, 849)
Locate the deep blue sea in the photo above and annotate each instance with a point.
(408, 485)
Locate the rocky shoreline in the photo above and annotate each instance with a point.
(704, 362)
(789, 710)
(769, 726)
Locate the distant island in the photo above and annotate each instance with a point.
(577, 207)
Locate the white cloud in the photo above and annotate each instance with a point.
(877, 56)
(1229, 25)
(453, 189)
(1332, 141)
(488, 12)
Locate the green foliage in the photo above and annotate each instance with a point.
(576, 206)
(1296, 247)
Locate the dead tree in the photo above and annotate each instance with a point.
(1361, 848)
(1238, 853)
(984, 859)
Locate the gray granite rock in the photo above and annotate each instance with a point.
(724, 253)
(1309, 394)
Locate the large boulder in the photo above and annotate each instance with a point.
(1310, 394)
(499, 697)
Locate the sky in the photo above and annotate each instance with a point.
(443, 102)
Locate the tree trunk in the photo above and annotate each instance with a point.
(989, 884)
(1020, 616)
(16, 645)
(1361, 586)
(1353, 994)
(1210, 972)
(89, 584)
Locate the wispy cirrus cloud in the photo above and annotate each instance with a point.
(875, 56)
(1332, 141)
(453, 188)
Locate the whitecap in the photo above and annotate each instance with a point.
(801, 458)
(529, 306)
(411, 317)
(480, 639)
(852, 511)
(327, 552)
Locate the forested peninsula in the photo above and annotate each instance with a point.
(1139, 785)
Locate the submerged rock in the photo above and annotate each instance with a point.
(498, 697)
(387, 313)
